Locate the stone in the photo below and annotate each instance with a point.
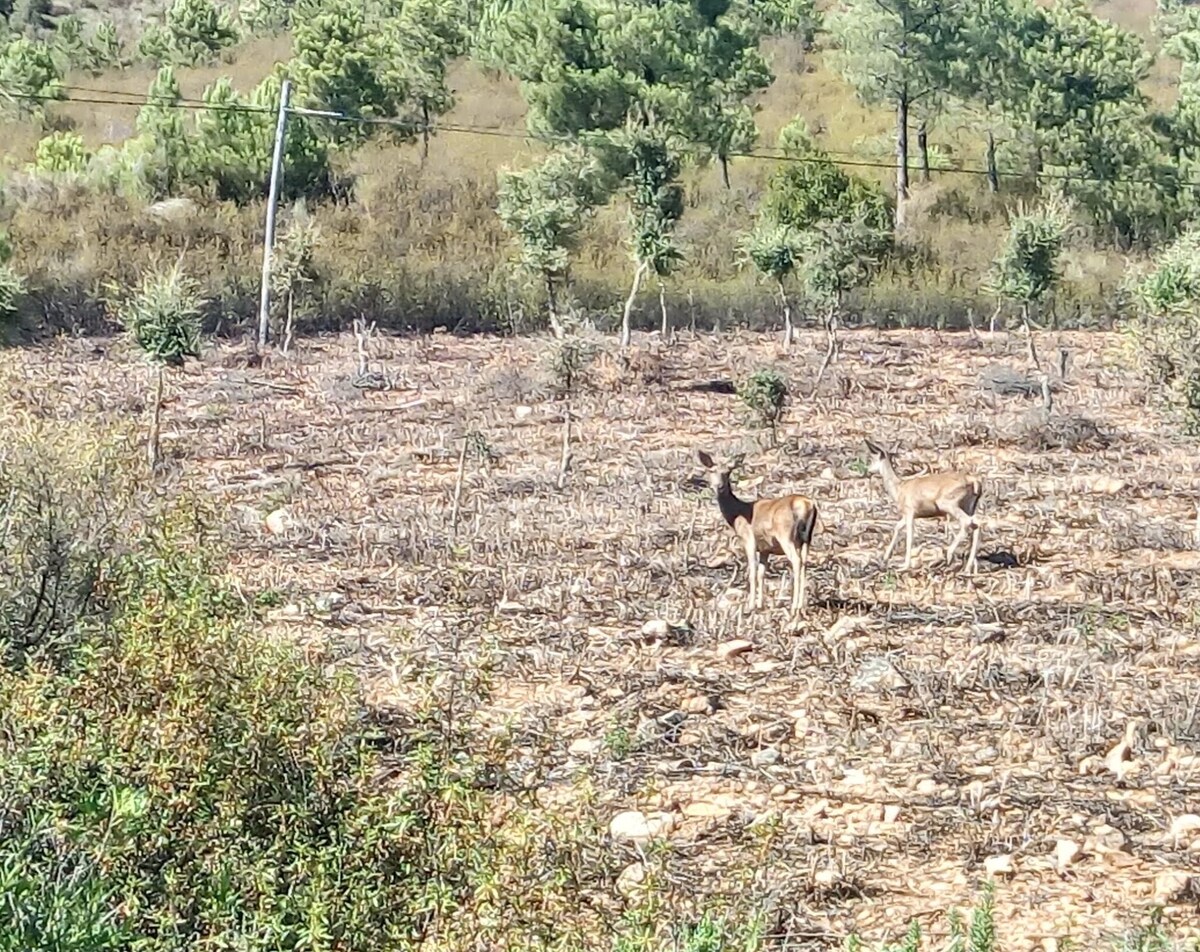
(637, 827)
(584, 746)
(731, 649)
(1185, 823)
(1174, 884)
(630, 879)
(655, 628)
(707, 809)
(764, 757)
(997, 865)
(278, 521)
(698, 705)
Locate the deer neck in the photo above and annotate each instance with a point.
(731, 506)
(891, 482)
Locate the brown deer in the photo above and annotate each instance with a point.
(937, 496)
(781, 526)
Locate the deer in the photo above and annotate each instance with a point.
(779, 526)
(952, 495)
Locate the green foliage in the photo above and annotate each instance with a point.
(589, 66)
(838, 256)
(1164, 332)
(293, 266)
(172, 774)
(422, 38)
(307, 167)
(163, 315)
(897, 51)
(29, 75)
(813, 189)
(230, 149)
(62, 153)
(650, 167)
(1028, 265)
(774, 249)
(12, 287)
(192, 32)
(160, 124)
(344, 63)
(567, 361)
(765, 394)
(544, 207)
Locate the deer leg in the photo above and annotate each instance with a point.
(963, 526)
(887, 553)
(793, 557)
(908, 543)
(803, 569)
(971, 563)
(751, 573)
(762, 579)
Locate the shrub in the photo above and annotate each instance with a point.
(174, 776)
(62, 153)
(764, 393)
(1164, 331)
(28, 72)
(812, 189)
(192, 32)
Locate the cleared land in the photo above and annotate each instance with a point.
(868, 764)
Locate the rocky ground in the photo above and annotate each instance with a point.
(879, 759)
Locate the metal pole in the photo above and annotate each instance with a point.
(264, 300)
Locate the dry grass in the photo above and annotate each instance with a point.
(851, 770)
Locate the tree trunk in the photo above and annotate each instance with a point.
(831, 347)
(901, 158)
(993, 175)
(626, 329)
(662, 304)
(152, 453)
(923, 146)
(287, 325)
(724, 160)
(1033, 355)
(788, 330)
(552, 303)
(424, 131)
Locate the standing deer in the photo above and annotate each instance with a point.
(936, 496)
(781, 526)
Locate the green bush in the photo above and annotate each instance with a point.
(192, 32)
(62, 153)
(1164, 332)
(174, 777)
(765, 394)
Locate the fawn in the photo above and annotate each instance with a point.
(936, 496)
(781, 526)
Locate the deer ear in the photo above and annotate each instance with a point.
(872, 448)
(737, 461)
(704, 459)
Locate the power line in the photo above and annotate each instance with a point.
(844, 159)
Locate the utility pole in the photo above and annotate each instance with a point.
(264, 299)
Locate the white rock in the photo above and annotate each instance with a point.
(995, 865)
(656, 628)
(764, 757)
(733, 648)
(278, 521)
(1066, 852)
(636, 826)
(1185, 823)
(631, 877)
(584, 746)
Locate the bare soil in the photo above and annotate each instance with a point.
(873, 761)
